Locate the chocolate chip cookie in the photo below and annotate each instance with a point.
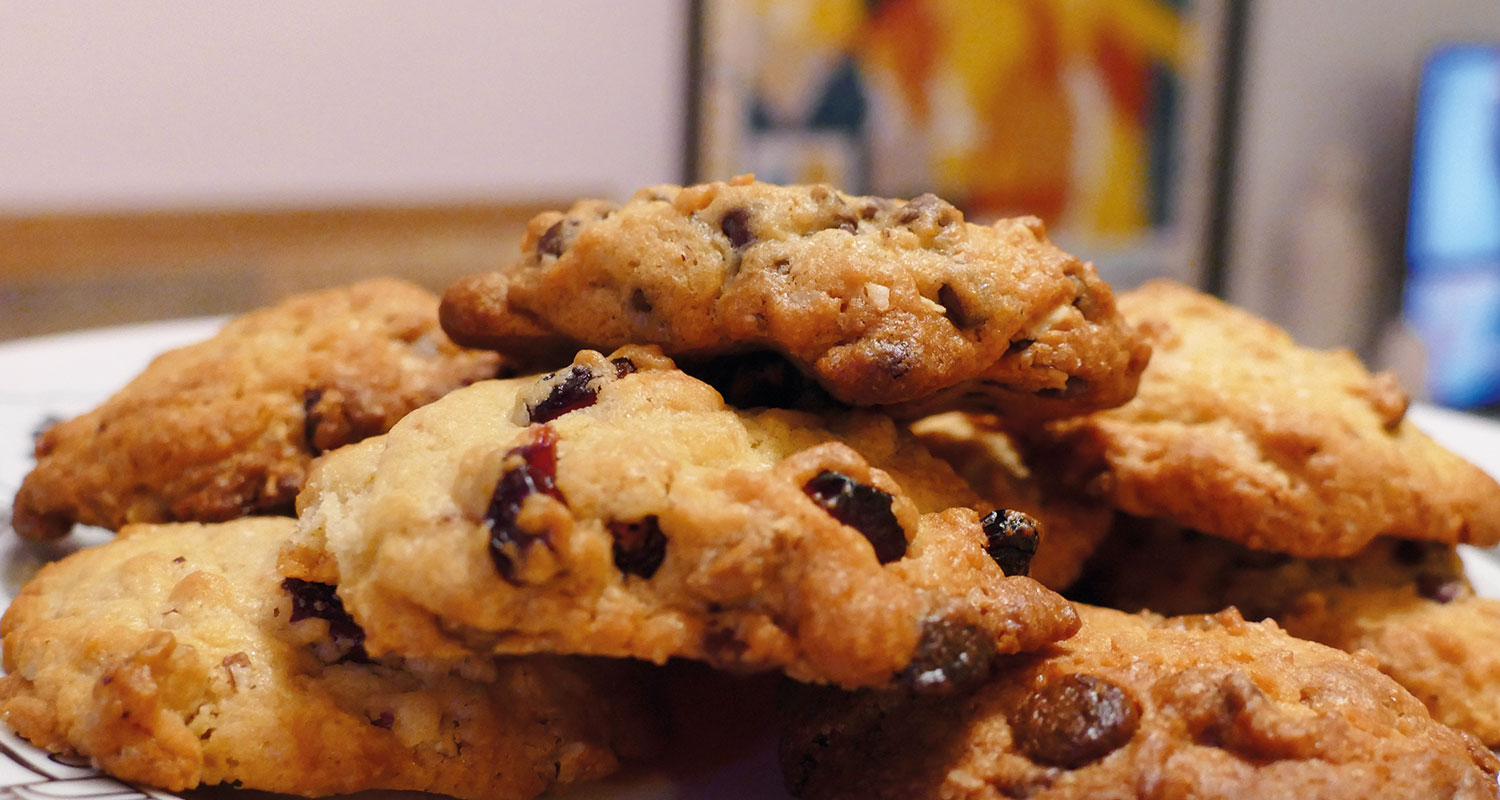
(1405, 603)
(1142, 706)
(226, 427)
(1072, 524)
(1238, 432)
(176, 656)
(883, 302)
(618, 507)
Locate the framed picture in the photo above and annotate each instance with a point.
(1100, 118)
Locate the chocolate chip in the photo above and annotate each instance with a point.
(950, 656)
(639, 546)
(532, 470)
(1072, 387)
(863, 508)
(311, 418)
(1409, 552)
(569, 394)
(623, 366)
(1017, 345)
(385, 720)
(311, 600)
(736, 226)
(954, 308)
(1439, 589)
(555, 240)
(639, 303)
(845, 223)
(1011, 539)
(1074, 720)
(756, 379)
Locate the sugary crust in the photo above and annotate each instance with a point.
(1238, 432)
(1404, 603)
(1202, 707)
(1072, 525)
(226, 427)
(750, 573)
(169, 657)
(883, 302)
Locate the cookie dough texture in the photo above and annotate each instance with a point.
(883, 302)
(619, 508)
(170, 657)
(1238, 432)
(1406, 604)
(1072, 524)
(1138, 707)
(226, 427)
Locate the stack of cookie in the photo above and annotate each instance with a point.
(857, 442)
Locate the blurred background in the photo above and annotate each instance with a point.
(1334, 166)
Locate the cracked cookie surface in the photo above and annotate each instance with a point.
(1238, 432)
(618, 507)
(226, 427)
(882, 302)
(177, 656)
(1141, 706)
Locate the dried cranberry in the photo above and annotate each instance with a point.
(311, 600)
(863, 508)
(736, 226)
(534, 473)
(569, 394)
(1011, 539)
(639, 546)
(1074, 720)
(1439, 589)
(950, 656)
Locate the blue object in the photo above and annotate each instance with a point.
(1452, 295)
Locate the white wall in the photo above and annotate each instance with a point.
(1329, 95)
(114, 105)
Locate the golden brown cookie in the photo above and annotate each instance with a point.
(177, 656)
(1072, 524)
(226, 428)
(1406, 603)
(1141, 706)
(883, 302)
(1238, 432)
(618, 507)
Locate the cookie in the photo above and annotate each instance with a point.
(619, 508)
(883, 302)
(226, 427)
(1238, 432)
(1072, 525)
(176, 656)
(1142, 706)
(1405, 603)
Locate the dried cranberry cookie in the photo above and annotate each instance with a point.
(618, 507)
(226, 427)
(1238, 432)
(883, 302)
(1141, 706)
(177, 656)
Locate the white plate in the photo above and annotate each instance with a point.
(60, 376)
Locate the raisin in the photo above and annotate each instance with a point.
(950, 656)
(1075, 720)
(534, 472)
(1011, 539)
(569, 394)
(736, 226)
(312, 600)
(863, 508)
(639, 546)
